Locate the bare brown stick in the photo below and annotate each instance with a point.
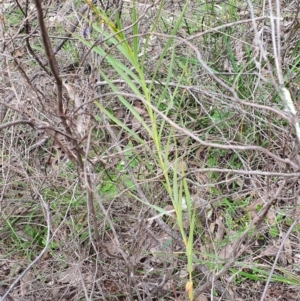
(13, 123)
(50, 56)
(242, 172)
(54, 69)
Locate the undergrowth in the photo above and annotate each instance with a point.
(170, 172)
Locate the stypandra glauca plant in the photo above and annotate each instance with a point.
(123, 55)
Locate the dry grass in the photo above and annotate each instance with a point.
(86, 207)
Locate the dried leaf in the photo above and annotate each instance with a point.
(239, 53)
(162, 249)
(288, 251)
(183, 273)
(201, 297)
(18, 53)
(221, 229)
(226, 251)
(70, 276)
(140, 111)
(135, 124)
(119, 113)
(269, 251)
(271, 216)
(25, 284)
(252, 208)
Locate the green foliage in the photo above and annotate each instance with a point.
(257, 272)
(30, 237)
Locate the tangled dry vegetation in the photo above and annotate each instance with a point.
(146, 153)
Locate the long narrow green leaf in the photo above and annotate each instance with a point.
(189, 250)
(121, 68)
(135, 33)
(119, 41)
(120, 34)
(159, 209)
(128, 105)
(118, 122)
(167, 45)
(230, 53)
(153, 27)
(164, 93)
(187, 197)
(10, 226)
